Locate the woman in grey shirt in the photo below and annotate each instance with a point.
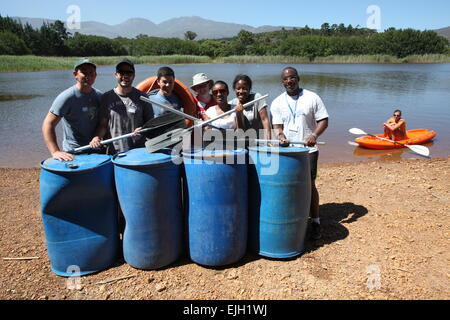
(256, 117)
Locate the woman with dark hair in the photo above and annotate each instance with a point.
(220, 93)
(256, 117)
(395, 127)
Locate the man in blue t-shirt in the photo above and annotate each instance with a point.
(78, 108)
(165, 94)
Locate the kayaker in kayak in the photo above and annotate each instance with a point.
(395, 127)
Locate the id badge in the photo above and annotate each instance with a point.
(293, 127)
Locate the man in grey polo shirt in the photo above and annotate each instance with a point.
(78, 108)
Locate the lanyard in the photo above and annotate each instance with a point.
(295, 107)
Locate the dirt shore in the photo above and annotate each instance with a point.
(385, 236)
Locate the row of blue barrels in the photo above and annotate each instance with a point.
(232, 198)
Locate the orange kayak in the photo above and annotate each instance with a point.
(415, 136)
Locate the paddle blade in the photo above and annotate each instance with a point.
(356, 131)
(353, 143)
(164, 119)
(165, 123)
(422, 150)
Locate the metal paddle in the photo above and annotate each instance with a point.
(159, 125)
(422, 150)
(175, 111)
(171, 138)
(266, 141)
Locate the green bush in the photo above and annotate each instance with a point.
(12, 44)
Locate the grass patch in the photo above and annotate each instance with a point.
(35, 63)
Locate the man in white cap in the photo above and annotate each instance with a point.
(77, 107)
(122, 111)
(202, 85)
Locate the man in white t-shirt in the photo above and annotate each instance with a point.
(300, 115)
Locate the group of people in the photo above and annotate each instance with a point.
(88, 116)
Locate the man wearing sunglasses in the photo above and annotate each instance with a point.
(122, 111)
(395, 127)
(300, 115)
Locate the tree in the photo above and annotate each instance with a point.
(11, 44)
(190, 35)
(245, 38)
(325, 29)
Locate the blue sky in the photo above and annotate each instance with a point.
(417, 14)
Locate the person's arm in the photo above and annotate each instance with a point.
(278, 126)
(279, 134)
(266, 123)
(322, 125)
(240, 121)
(48, 132)
(100, 131)
(395, 126)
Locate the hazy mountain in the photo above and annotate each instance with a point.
(205, 29)
(445, 32)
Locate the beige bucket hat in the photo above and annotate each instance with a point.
(200, 78)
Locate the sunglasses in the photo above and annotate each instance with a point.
(397, 115)
(216, 92)
(125, 72)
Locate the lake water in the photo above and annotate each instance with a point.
(361, 96)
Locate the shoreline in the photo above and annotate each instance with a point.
(12, 64)
(325, 164)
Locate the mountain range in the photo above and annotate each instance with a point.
(173, 28)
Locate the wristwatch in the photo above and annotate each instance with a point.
(314, 135)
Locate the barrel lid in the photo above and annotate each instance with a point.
(80, 162)
(280, 150)
(213, 153)
(141, 157)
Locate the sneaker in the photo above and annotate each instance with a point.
(316, 231)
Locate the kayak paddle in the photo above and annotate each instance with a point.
(175, 136)
(422, 150)
(150, 129)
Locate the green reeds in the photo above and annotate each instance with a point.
(35, 63)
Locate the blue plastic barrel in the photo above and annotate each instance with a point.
(79, 214)
(217, 205)
(149, 191)
(279, 200)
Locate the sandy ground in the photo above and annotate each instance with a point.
(385, 236)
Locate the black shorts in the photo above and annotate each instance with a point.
(313, 157)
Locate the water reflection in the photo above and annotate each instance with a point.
(392, 154)
(388, 155)
(12, 97)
